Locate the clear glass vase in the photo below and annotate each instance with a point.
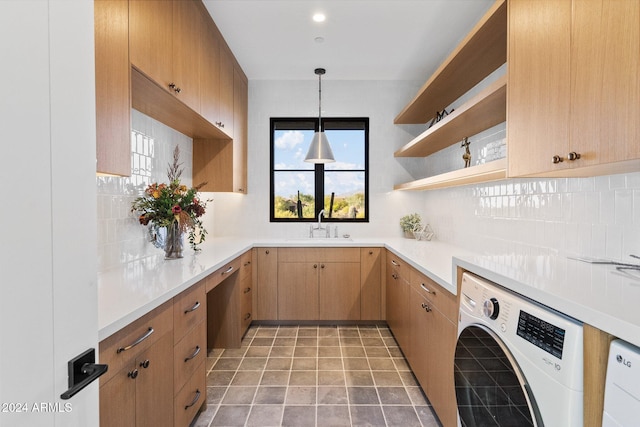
(174, 242)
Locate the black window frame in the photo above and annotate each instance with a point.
(319, 171)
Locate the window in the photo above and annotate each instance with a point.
(341, 187)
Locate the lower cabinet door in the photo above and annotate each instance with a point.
(154, 384)
(339, 291)
(298, 290)
(118, 399)
(190, 399)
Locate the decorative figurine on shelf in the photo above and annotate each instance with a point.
(439, 116)
(467, 154)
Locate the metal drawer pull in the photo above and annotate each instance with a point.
(395, 276)
(145, 364)
(246, 291)
(194, 354)
(395, 263)
(426, 307)
(247, 316)
(427, 290)
(229, 270)
(133, 374)
(195, 400)
(194, 308)
(138, 341)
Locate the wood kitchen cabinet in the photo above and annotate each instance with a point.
(371, 284)
(318, 284)
(222, 163)
(266, 287)
(137, 389)
(113, 100)
(165, 45)
(397, 300)
(432, 337)
(189, 352)
(574, 87)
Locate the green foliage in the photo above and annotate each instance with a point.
(351, 206)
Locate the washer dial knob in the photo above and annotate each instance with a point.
(491, 308)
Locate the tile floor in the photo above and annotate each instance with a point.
(309, 376)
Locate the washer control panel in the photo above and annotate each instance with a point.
(540, 333)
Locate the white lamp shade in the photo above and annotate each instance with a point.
(319, 150)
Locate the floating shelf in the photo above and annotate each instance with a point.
(483, 111)
(483, 51)
(486, 172)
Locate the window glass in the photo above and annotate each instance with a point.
(342, 186)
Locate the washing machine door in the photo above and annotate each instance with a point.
(490, 388)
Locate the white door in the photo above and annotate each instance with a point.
(48, 285)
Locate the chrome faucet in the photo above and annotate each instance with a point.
(320, 219)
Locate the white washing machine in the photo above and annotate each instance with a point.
(517, 362)
(622, 389)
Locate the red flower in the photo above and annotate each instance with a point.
(143, 219)
(176, 209)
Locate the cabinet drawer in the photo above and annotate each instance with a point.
(215, 278)
(319, 255)
(189, 309)
(397, 267)
(245, 265)
(190, 398)
(443, 300)
(188, 354)
(123, 346)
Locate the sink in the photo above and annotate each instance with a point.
(324, 241)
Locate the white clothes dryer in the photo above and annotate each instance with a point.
(517, 362)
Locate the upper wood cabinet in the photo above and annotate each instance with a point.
(113, 100)
(574, 87)
(222, 163)
(151, 39)
(165, 45)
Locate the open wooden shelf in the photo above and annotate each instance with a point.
(483, 51)
(486, 172)
(483, 111)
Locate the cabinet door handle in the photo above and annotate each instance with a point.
(427, 290)
(246, 291)
(136, 342)
(395, 263)
(145, 364)
(315, 265)
(194, 401)
(228, 270)
(370, 252)
(426, 307)
(133, 374)
(192, 355)
(247, 316)
(267, 252)
(193, 308)
(395, 276)
(321, 265)
(247, 263)
(573, 156)
(557, 159)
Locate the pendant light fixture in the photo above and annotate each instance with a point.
(319, 150)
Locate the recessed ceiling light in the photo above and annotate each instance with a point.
(319, 17)
(319, 39)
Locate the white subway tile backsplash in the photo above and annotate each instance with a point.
(120, 237)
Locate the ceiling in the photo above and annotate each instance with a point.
(363, 39)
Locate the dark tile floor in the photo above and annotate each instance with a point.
(313, 376)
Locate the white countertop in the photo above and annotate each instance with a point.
(594, 294)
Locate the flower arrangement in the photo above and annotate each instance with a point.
(408, 223)
(164, 205)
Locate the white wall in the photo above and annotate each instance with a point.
(48, 286)
(248, 215)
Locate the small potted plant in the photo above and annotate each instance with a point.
(410, 222)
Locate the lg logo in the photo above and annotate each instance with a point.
(624, 361)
